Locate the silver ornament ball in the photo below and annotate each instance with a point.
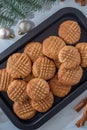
(24, 26)
(5, 33)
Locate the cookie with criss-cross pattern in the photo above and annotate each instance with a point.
(70, 56)
(24, 110)
(82, 48)
(52, 45)
(5, 79)
(17, 91)
(44, 68)
(70, 76)
(19, 65)
(57, 88)
(70, 31)
(33, 50)
(37, 89)
(44, 104)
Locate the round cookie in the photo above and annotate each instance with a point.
(70, 56)
(70, 31)
(44, 104)
(19, 65)
(70, 76)
(44, 68)
(37, 89)
(82, 48)
(17, 91)
(52, 45)
(5, 79)
(24, 110)
(57, 88)
(33, 50)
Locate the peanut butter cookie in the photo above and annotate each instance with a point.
(44, 104)
(70, 56)
(24, 110)
(5, 79)
(52, 45)
(19, 65)
(33, 50)
(82, 48)
(37, 89)
(70, 31)
(57, 88)
(44, 68)
(70, 76)
(17, 91)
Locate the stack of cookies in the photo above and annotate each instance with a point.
(32, 78)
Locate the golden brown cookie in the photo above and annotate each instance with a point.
(57, 88)
(44, 104)
(24, 110)
(44, 68)
(70, 31)
(17, 91)
(57, 63)
(70, 76)
(19, 65)
(70, 56)
(33, 50)
(28, 78)
(37, 89)
(52, 45)
(5, 79)
(82, 48)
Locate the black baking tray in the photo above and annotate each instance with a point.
(45, 29)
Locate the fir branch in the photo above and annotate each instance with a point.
(34, 5)
(30, 6)
(13, 10)
(46, 1)
(17, 6)
(5, 21)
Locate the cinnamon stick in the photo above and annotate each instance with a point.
(81, 122)
(81, 104)
(83, 119)
(83, 2)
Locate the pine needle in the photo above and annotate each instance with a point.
(14, 10)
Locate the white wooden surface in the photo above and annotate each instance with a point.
(65, 119)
